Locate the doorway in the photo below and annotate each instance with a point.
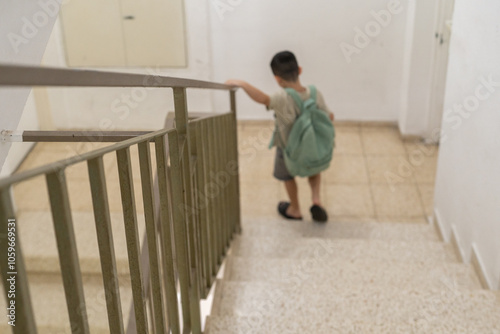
(439, 69)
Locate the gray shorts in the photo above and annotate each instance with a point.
(280, 170)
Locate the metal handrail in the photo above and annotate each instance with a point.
(62, 164)
(186, 155)
(19, 75)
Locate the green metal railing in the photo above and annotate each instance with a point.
(179, 197)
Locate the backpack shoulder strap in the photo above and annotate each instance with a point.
(295, 97)
(313, 92)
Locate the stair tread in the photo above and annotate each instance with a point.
(36, 233)
(49, 303)
(243, 298)
(296, 277)
(334, 271)
(390, 250)
(342, 324)
(339, 230)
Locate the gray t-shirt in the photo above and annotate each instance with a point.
(286, 111)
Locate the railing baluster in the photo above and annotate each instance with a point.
(68, 254)
(220, 196)
(235, 182)
(181, 118)
(210, 148)
(166, 237)
(227, 159)
(193, 209)
(202, 203)
(196, 209)
(215, 198)
(24, 317)
(229, 197)
(180, 234)
(106, 244)
(223, 186)
(230, 168)
(149, 215)
(199, 238)
(228, 182)
(132, 236)
(232, 98)
(208, 212)
(204, 217)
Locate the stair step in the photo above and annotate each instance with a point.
(340, 272)
(280, 299)
(266, 307)
(49, 304)
(36, 233)
(285, 230)
(347, 249)
(423, 322)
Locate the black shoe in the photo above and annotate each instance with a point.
(318, 214)
(282, 207)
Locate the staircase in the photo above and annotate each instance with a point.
(299, 277)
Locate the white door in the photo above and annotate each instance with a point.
(440, 67)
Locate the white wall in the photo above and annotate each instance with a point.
(18, 151)
(133, 108)
(238, 38)
(246, 34)
(468, 183)
(25, 27)
(360, 75)
(418, 65)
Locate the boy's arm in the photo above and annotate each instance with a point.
(255, 94)
(323, 106)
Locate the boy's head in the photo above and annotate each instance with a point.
(285, 66)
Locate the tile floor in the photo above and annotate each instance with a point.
(374, 176)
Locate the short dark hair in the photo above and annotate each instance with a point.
(284, 65)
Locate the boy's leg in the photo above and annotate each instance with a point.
(318, 212)
(292, 190)
(315, 183)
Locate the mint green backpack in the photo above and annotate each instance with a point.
(310, 144)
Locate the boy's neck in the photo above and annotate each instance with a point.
(297, 85)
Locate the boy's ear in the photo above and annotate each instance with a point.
(300, 70)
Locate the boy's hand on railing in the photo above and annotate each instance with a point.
(255, 94)
(332, 117)
(234, 82)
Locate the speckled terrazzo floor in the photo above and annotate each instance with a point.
(369, 304)
(364, 283)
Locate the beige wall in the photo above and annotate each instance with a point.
(121, 33)
(133, 108)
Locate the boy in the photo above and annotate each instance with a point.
(286, 71)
